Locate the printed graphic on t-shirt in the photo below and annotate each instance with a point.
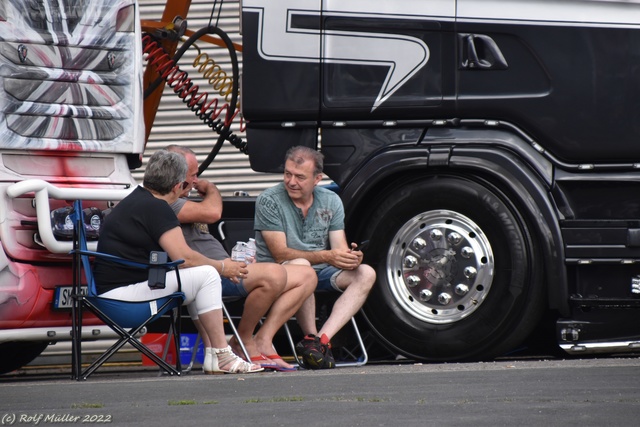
(269, 204)
(317, 232)
(201, 228)
(323, 217)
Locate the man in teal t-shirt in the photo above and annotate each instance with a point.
(308, 232)
(300, 223)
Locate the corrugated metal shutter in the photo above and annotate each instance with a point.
(176, 124)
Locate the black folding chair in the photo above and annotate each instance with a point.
(128, 319)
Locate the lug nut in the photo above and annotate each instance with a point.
(425, 295)
(470, 272)
(435, 234)
(466, 252)
(454, 238)
(410, 261)
(412, 281)
(444, 298)
(419, 243)
(462, 289)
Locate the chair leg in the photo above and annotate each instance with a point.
(235, 333)
(194, 352)
(128, 337)
(77, 300)
(176, 325)
(167, 344)
(173, 334)
(365, 356)
(125, 337)
(360, 362)
(76, 337)
(199, 338)
(291, 343)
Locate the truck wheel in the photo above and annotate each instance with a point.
(458, 278)
(16, 354)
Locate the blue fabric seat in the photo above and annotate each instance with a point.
(128, 319)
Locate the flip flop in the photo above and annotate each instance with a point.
(279, 367)
(258, 360)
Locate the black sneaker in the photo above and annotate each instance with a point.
(313, 354)
(310, 353)
(325, 345)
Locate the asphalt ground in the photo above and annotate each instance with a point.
(537, 392)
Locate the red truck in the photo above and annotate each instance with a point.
(77, 102)
(71, 126)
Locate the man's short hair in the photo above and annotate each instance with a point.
(163, 171)
(300, 154)
(175, 148)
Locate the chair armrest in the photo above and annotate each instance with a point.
(142, 265)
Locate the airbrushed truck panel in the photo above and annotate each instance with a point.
(70, 127)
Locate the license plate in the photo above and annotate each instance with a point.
(63, 300)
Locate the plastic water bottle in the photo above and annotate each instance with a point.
(250, 251)
(238, 252)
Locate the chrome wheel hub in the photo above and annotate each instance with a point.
(441, 266)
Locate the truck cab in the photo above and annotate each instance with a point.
(486, 149)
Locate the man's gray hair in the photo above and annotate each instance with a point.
(175, 148)
(300, 154)
(164, 170)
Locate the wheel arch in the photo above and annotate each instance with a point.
(502, 168)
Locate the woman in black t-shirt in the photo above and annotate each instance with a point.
(144, 222)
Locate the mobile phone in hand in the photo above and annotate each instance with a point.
(363, 245)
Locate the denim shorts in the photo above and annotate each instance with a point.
(230, 289)
(327, 279)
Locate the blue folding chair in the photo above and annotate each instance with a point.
(126, 318)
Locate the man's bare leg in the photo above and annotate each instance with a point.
(356, 284)
(306, 314)
(301, 283)
(264, 283)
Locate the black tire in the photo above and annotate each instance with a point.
(16, 354)
(463, 238)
